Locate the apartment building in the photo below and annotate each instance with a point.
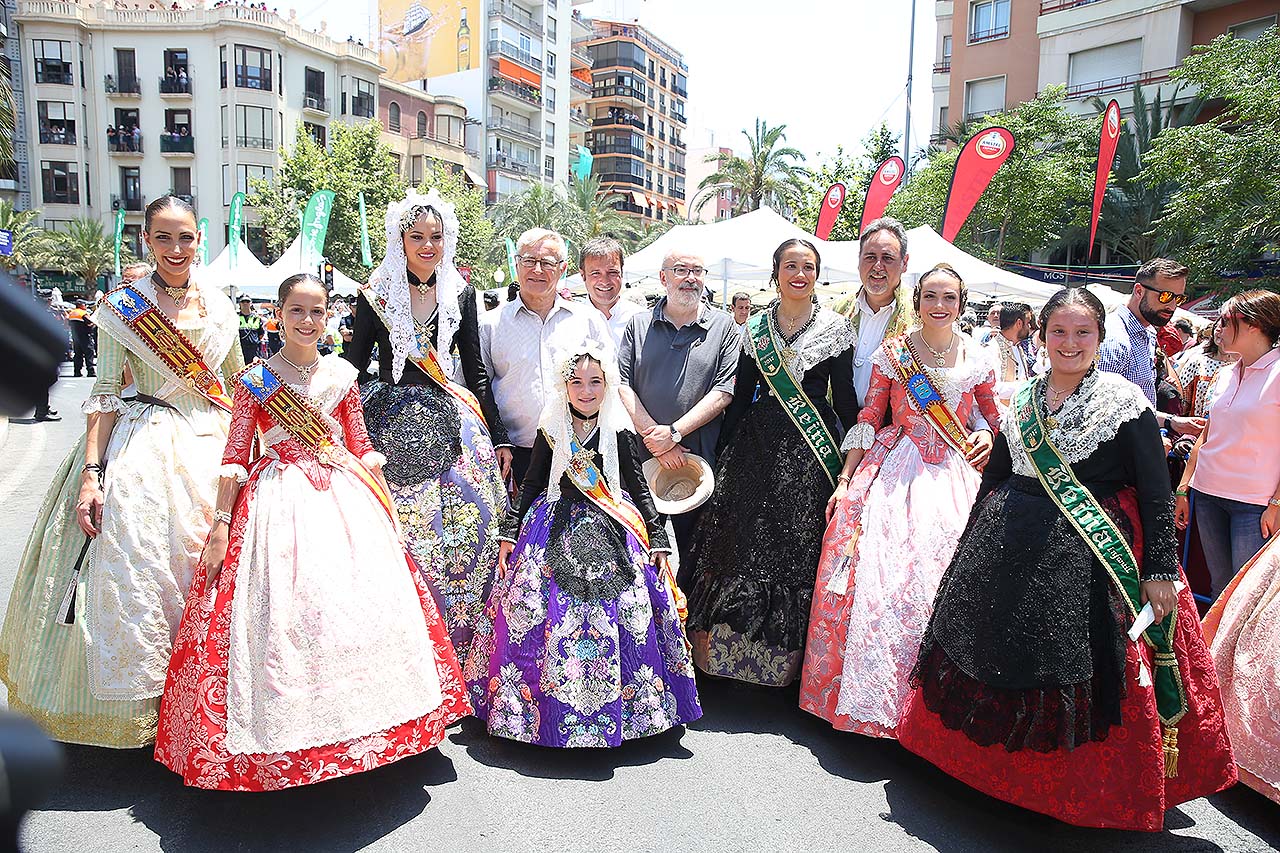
(508, 61)
(639, 87)
(124, 105)
(720, 201)
(425, 130)
(992, 54)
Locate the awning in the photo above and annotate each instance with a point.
(519, 73)
(475, 179)
(637, 198)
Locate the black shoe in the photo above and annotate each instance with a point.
(77, 375)
(91, 373)
(48, 416)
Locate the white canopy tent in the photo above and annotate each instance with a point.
(290, 263)
(249, 276)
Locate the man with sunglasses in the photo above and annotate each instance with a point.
(1130, 345)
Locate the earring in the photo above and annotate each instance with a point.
(813, 297)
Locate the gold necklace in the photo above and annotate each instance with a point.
(425, 287)
(182, 291)
(303, 372)
(940, 357)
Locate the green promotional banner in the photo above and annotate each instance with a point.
(582, 168)
(511, 258)
(315, 225)
(234, 228)
(119, 237)
(202, 244)
(366, 257)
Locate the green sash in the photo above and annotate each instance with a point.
(768, 353)
(1102, 536)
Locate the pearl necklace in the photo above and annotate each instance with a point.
(940, 357)
(303, 372)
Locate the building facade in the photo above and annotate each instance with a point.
(719, 202)
(993, 54)
(425, 130)
(636, 109)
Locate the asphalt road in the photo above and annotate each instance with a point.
(755, 774)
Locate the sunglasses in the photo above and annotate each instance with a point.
(1164, 297)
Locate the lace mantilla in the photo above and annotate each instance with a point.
(1089, 417)
(557, 424)
(828, 335)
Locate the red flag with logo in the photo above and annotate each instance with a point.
(979, 160)
(883, 183)
(832, 203)
(1107, 143)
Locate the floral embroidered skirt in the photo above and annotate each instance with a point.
(448, 491)
(319, 651)
(551, 668)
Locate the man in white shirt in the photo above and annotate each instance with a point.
(1015, 322)
(741, 304)
(993, 325)
(520, 341)
(600, 262)
(883, 307)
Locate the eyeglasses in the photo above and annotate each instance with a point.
(1164, 297)
(533, 263)
(682, 271)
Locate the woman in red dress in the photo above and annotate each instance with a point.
(310, 647)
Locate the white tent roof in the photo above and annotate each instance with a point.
(290, 263)
(250, 275)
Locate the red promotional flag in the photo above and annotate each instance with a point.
(880, 190)
(1107, 143)
(832, 202)
(979, 160)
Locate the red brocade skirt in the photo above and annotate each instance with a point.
(1118, 782)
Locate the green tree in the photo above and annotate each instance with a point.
(540, 206)
(1044, 188)
(475, 231)
(31, 243)
(855, 173)
(7, 120)
(356, 161)
(770, 173)
(85, 249)
(1226, 205)
(592, 212)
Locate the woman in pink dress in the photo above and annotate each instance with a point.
(310, 647)
(895, 518)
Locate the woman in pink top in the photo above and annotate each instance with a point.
(1234, 469)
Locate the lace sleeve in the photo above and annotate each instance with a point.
(105, 394)
(244, 420)
(355, 434)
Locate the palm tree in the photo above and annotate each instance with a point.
(87, 250)
(539, 206)
(31, 243)
(769, 174)
(7, 125)
(591, 212)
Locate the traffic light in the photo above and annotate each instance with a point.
(328, 275)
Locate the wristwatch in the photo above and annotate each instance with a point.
(675, 435)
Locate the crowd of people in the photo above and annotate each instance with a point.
(555, 513)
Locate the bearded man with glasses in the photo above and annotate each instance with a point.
(1129, 347)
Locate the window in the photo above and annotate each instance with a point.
(1110, 66)
(130, 188)
(393, 117)
(176, 79)
(57, 122)
(131, 236)
(362, 98)
(946, 48)
(549, 166)
(222, 65)
(180, 183)
(316, 132)
(422, 124)
(253, 68)
(253, 127)
(526, 45)
(551, 133)
(178, 121)
(1252, 30)
(452, 129)
(53, 61)
(549, 98)
(246, 174)
(313, 90)
(127, 71)
(551, 63)
(982, 97)
(653, 70)
(551, 28)
(255, 239)
(60, 182)
(988, 19)
(415, 169)
(943, 119)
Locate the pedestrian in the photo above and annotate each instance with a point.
(111, 138)
(116, 543)
(82, 339)
(1199, 370)
(897, 512)
(882, 307)
(583, 644)
(741, 305)
(677, 363)
(251, 328)
(1233, 473)
(438, 435)
(319, 673)
(993, 323)
(600, 263)
(518, 340)
(183, 81)
(1029, 688)
(756, 546)
(272, 327)
(137, 138)
(1015, 323)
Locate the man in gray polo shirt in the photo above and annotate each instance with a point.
(678, 363)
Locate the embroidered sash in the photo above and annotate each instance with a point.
(178, 354)
(768, 354)
(584, 474)
(295, 415)
(429, 362)
(1103, 537)
(928, 400)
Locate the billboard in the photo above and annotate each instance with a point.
(418, 39)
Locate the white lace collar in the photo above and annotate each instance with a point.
(951, 382)
(1089, 417)
(828, 335)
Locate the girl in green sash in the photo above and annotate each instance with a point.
(1027, 685)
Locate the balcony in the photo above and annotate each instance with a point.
(125, 87)
(619, 92)
(262, 143)
(618, 148)
(678, 119)
(253, 77)
(517, 16)
(943, 67)
(125, 145)
(580, 86)
(171, 143)
(515, 54)
(1116, 84)
(680, 91)
(979, 36)
(618, 121)
(580, 58)
(132, 203)
(579, 117)
(518, 91)
(679, 143)
(189, 198)
(175, 87)
(510, 164)
(1049, 6)
(316, 103)
(512, 128)
(54, 136)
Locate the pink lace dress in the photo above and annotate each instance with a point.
(910, 498)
